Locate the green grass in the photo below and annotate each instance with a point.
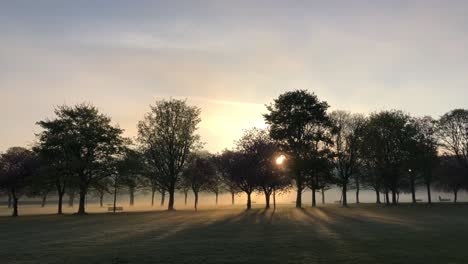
(364, 234)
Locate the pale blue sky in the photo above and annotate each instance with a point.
(227, 57)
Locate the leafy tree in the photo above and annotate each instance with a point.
(223, 166)
(198, 174)
(452, 130)
(130, 169)
(423, 155)
(88, 141)
(168, 135)
(450, 176)
(241, 170)
(296, 122)
(387, 140)
(264, 151)
(347, 138)
(17, 167)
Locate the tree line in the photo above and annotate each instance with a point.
(305, 147)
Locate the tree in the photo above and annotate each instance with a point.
(223, 166)
(241, 170)
(168, 135)
(264, 151)
(88, 141)
(296, 122)
(387, 139)
(452, 131)
(17, 167)
(347, 138)
(130, 168)
(423, 155)
(450, 176)
(199, 172)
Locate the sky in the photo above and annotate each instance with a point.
(229, 58)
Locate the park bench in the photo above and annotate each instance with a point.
(337, 202)
(443, 200)
(418, 200)
(117, 208)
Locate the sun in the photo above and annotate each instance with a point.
(280, 159)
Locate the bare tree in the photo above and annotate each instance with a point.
(167, 135)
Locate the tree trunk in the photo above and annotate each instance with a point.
(323, 196)
(387, 200)
(299, 196)
(394, 200)
(9, 200)
(44, 198)
(132, 196)
(196, 201)
(274, 198)
(455, 195)
(249, 201)
(152, 197)
(377, 193)
(185, 194)
(357, 189)
(115, 196)
(60, 199)
(267, 199)
(232, 198)
(163, 198)
(81, 207)
(314, 203)
(101, 199)
(71, 199)
(429, 200)
(344, 190)
(170, 205)
(216, 193)
(15, 204)
(413, 190)
(398, 197)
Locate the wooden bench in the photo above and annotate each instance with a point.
(418, 200)
(337, 202)
(443, 200)
(117, 208)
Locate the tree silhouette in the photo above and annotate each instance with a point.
(17, 167)
(167, 135)
(347, 138)
(88, 140)
(296, 122)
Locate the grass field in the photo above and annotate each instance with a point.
(364, 234)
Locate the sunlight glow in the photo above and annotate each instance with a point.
(280, 159)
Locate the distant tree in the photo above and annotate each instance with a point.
(17, 167)
(347, 138)
(318, 172)
(452, 131)
(215, 182)
(185, 187)
(451, 176)
(241, 170)
(198, 174)
(223, 166)
(264, 151)
(130, 170)
(423, 155)
(101, 187)
(296, 122)
(90, 143)
(40, 184)
(168, 135)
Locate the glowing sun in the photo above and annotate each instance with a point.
(280, 159)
